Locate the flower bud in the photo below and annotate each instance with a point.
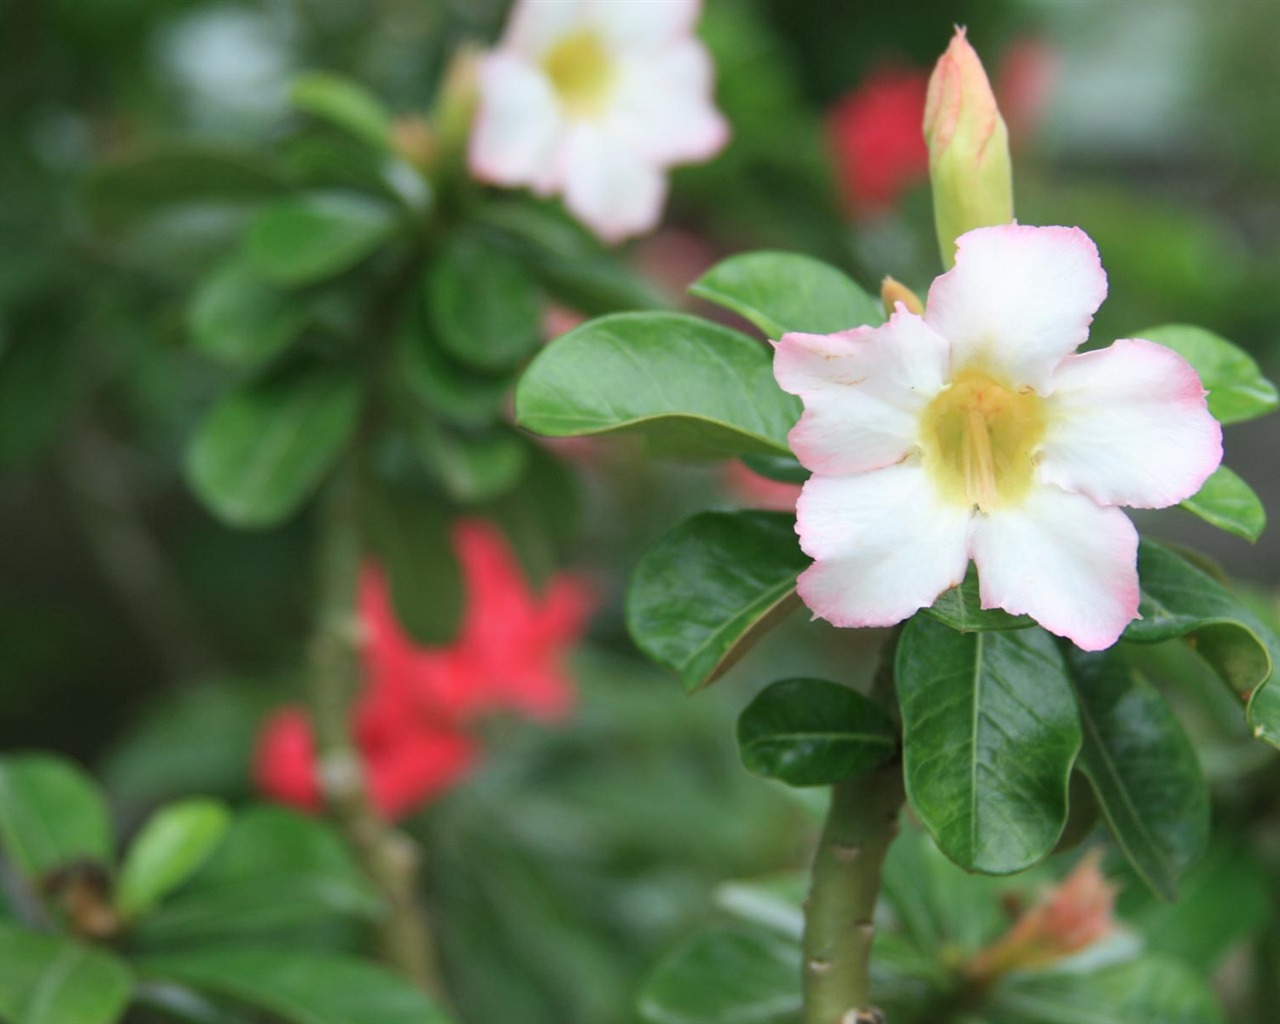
(969, 163)
(893, 291)
(1071, 916)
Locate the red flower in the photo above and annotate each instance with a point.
(411, 719)
(875, 133)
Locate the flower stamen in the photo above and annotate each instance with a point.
(581, 73)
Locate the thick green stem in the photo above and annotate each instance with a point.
(388, 858)
(839, 914)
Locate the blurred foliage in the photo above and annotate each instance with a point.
(142, 636)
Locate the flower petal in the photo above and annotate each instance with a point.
(1129, 425)
(537, 25)
(1018, 300)
(663, 104)
(610, 187)
(863, 391)
(518, 125)
(634, 24)
(884, 546)
(1070, 564)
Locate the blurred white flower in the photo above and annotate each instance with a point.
(595, 99)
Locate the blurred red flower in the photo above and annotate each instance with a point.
(411, 720)
(875, 133)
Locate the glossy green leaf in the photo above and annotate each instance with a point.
(317, 236)
(47, 979)
(810, 732)
(1181, 600)
(961, 609)
(265, 447)
(711, 587)
(483, 307)
(172, 846)
(1221, 901)
(275, 869)
(240, 321)
(51, 814)
(299, 987)
(781, 292)
(1237, 389)
(1229, 503)
(154, 183)
(691, 386)
(725, 976)
(1150, 990)
(1143, 770)
(412, 535)
(990, 732)
(344, 103)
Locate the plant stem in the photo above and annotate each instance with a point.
(838, 928)
(388, 857)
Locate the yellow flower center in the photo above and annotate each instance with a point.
(581, 72)
(979, 439)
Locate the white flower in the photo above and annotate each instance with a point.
(976, 431)
(595, 99)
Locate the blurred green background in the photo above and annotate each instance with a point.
(145, 639)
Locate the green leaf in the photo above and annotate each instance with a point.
(1237, 389)
(781, 292)
(961, 609)
(172, 846)
(809, 732)
(412, 535)
(317, 236)
(1143, 770)
(1180, 600)
(712, 587)
(472, 467)
(265, 447)
(344, 103)
(153, 183)
(990, 732)
(783, 468)
(238, 320)
(453, 390)
(485, 310)
(725, 976)
(695, 388)
(1229, 503)
(46, 979)
(51, 814)
(1151, 990)
(274, 870)
(299, 987)
(1221, 901)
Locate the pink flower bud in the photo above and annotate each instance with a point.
(969, 164)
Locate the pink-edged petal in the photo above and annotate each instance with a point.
(535, 26)
(636, 24)
(662, 102)
(610, 188)
(884, 547)
(1018, 300)
(1129, 425)
(863, 391)
(1069, 563)
(518, 124)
